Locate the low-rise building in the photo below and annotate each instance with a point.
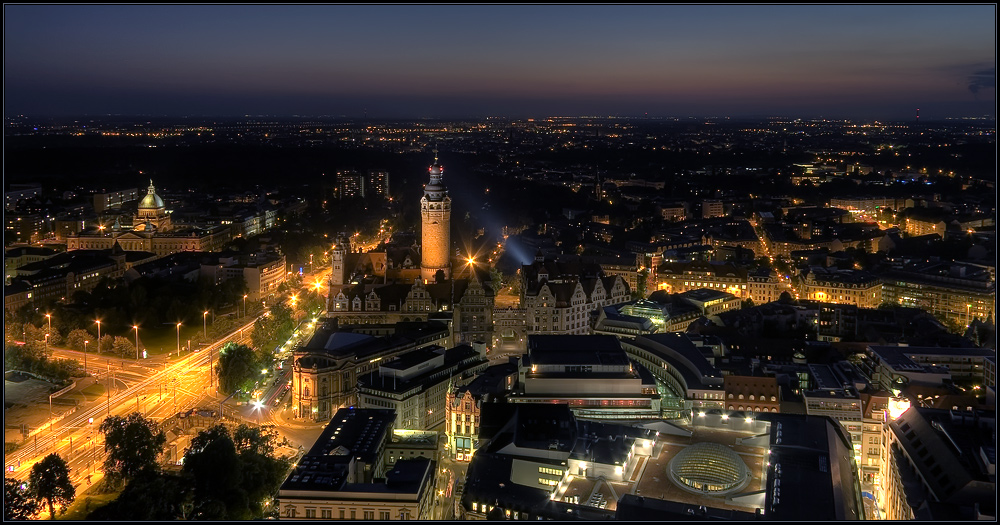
(15, 258)
(415, 384)
(891, 368)
(326, 369)
(558, 296)
(463, 406)
(959, 292)
(263, 273)
(343, 476)
(592, 374)
(830, 285)
(752, 393)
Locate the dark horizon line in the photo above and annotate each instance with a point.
(486, 117)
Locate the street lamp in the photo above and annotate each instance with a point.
(46, 342)
(204, 323)
(244, 305)
(136, 327)
(98, 321)
(85, 343)
(178, 339)
(48, 317)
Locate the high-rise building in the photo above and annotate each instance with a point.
(350, 184)
(435, 225)
(378, 183)
(114, 199)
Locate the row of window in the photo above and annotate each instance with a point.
(343, 514)
(761, 398)
(755, 409)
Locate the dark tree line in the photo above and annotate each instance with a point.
(227, 475)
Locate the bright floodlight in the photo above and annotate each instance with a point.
(258, 405)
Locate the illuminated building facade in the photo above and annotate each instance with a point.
(592, 374)
(262, 273)
(761, 286)
(151, 213)
(463, 406)
(859, 288)
(326, 369)
(752, 394)
(415, 384)
(959, 292)
(435, 226)
(558, 297)
(152, 231)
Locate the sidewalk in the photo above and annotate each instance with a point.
(281, 418)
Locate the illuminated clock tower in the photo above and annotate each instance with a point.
(435, 226)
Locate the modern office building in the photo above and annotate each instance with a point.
(592, 374)
(939, 465)
(415, 384)
(891, 368)
(959, 292)
(343, 476)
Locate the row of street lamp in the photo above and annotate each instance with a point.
(136, 328)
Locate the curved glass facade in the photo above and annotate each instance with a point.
(709, 468)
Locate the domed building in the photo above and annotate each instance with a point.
(151, 213)
(152, 231)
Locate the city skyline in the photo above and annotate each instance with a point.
(872, 62)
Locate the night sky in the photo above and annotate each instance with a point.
(879, 62)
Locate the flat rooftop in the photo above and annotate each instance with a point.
(650, 478)
(576, 350)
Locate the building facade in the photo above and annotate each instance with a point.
(859, 288)
(326, 369)
(558, 297)
(958, 292)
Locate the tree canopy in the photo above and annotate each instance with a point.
(238, 369)
(149, 497)
(235, 475)
(133, 443)
(49, 483)
(18, 503)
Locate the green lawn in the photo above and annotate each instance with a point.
(84, 504)
(91, 393)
